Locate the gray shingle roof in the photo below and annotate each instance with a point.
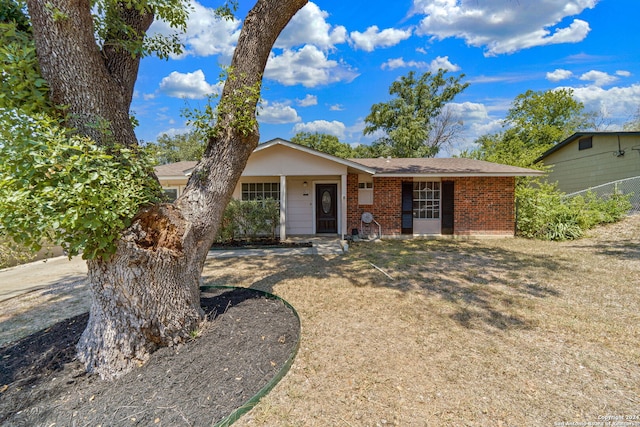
(175, 169)
(442, 167)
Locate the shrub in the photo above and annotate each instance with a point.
(249, 219)
(12, 253)
(545, 213)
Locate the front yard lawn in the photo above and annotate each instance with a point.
(496, 332)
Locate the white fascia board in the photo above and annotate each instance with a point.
(172, 177)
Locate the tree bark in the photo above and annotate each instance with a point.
(94, 85)
(147, 294)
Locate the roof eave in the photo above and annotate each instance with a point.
(172, 177)
(457, 174)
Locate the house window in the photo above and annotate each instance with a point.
(365, 190)
(426, 199)
(170, 194)
(261, 191)
(585, 143)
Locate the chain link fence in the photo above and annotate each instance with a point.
(624, 186)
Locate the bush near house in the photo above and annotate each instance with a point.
(545, 213)
(249, 219)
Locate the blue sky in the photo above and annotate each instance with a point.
(336, 59)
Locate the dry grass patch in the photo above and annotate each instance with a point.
(501, 332)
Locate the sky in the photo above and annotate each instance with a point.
(336, 59)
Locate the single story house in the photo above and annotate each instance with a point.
(589, 159)
(323, 194)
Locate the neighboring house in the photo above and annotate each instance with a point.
(588, 159)
(320, 193)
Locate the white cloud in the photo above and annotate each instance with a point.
(469, 111)
(309, 26)
(308, 66)
(373, 38)
(394, 63)
(307, 101)
(617, 102)
(444, 63)
(188, 85)
(598, 78)
(207, 34)
(336, 107)
(174, 132)
(623, 73)
(559, 74)
(475, 120)
(433, 66)
(277, 113)
(334, 128)
(503, 27)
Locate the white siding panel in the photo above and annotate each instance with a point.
(280, 160)
(425, 227)
(299, 207)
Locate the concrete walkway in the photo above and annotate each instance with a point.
(36, 275)
(321, 246)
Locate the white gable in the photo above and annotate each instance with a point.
(278, 159)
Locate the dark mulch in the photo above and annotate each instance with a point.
(245, 343)
(259, 243)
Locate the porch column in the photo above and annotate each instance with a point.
(343, 206)
(283, 207)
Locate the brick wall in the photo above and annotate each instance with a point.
(483, 206)
(387, 197)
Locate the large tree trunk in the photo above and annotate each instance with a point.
(147, 294)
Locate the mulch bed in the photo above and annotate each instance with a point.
(260, 243)
(244, 344)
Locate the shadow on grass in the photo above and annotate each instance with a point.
(65, 298)
(483, 284)
(626, 250)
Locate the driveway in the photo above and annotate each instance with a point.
(35, 275)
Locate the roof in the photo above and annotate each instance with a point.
(579, 135)
(420, 167)
(175, 170)
(438, 167)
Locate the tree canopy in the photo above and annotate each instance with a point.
(535, 122)
(325, 143)
(415, 121)
(176, 148)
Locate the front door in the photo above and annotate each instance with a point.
(326, 208)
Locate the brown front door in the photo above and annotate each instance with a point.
(326, 208)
